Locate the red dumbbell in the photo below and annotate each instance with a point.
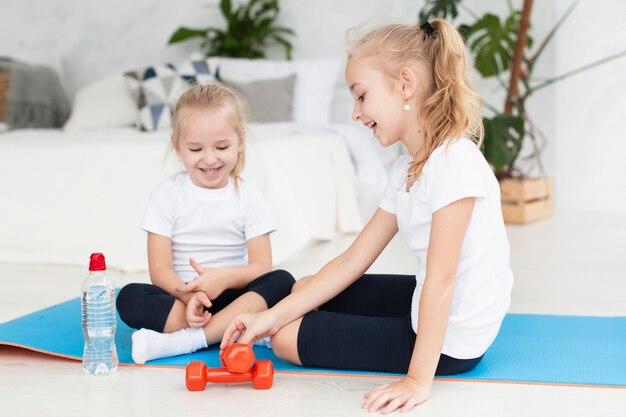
(197, 375)
(237, 358)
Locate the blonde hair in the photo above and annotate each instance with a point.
(213, 97)
(451, 107)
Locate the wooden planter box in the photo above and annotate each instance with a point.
(526, 200)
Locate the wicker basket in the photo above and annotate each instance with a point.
(4, 93)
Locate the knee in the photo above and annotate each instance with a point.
(273, 286)
(285, 342)
(137, 304)
(284, 277)
(126, 301)
(283, 280)
(280, 345)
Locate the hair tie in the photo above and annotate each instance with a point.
(426, 27)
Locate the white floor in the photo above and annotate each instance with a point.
(573, 263)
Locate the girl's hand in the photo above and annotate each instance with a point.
(403, 395)
(249, 328)
(195, 313)
(206, 282)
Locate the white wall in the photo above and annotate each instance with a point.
(94, 38)
(590, 154)
(89, 39)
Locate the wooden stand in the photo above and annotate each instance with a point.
(4, 92)
(526, 200)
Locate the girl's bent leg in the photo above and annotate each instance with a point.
(147, 306)
(378, 295)
(345, 341)
(273, 286)
(265, 291)
(450, 366)
(285, 342)
(249, 302)
(176, 319)
(148, 344)
(262, 293)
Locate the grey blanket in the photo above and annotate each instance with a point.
(35, 98)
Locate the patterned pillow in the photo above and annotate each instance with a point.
(197, 72)
(156, 89)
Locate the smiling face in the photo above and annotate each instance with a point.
(208, 145)
(378, 101)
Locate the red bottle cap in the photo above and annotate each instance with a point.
(97, 262)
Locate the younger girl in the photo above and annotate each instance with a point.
(208, 230)
(410, 84)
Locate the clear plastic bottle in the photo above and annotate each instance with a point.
(99, 319)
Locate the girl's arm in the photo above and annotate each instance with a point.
(161, 266)
(213, 281)
(333, 278)
(446, 240)
(259, 263)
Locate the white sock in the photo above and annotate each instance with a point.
(266, 342)
(148, 344)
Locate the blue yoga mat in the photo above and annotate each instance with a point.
(570, 350)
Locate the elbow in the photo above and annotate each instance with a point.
(157, 272)
(441, 287)
(264, 268)
(448, 289)
(448, 284)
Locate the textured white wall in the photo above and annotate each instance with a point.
(94, 38)
(89, 39)
(590, 154)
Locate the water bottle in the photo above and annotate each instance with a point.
(99, 319)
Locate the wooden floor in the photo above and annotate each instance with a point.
(574, 263)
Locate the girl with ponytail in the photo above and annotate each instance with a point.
(409, 84)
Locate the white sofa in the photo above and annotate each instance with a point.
(65, 193)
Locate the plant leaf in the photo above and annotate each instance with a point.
(503, 140)
(226, 8)
(283, 30)
(265, 23)
(439, 8)
(286, 44)
(183, 33)
(464, 31)
(492, 43)
(249, 30)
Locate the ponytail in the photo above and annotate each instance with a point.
(453, 109)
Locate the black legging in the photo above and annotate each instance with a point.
(368, 327)
(148, 306)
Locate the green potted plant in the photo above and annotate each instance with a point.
(250, 29)
(502, 50)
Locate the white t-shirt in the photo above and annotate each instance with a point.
(482, 294)
(210, 225)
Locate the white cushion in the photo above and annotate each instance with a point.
(315, 81)
(103, 103)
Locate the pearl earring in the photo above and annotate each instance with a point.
(406, 107)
